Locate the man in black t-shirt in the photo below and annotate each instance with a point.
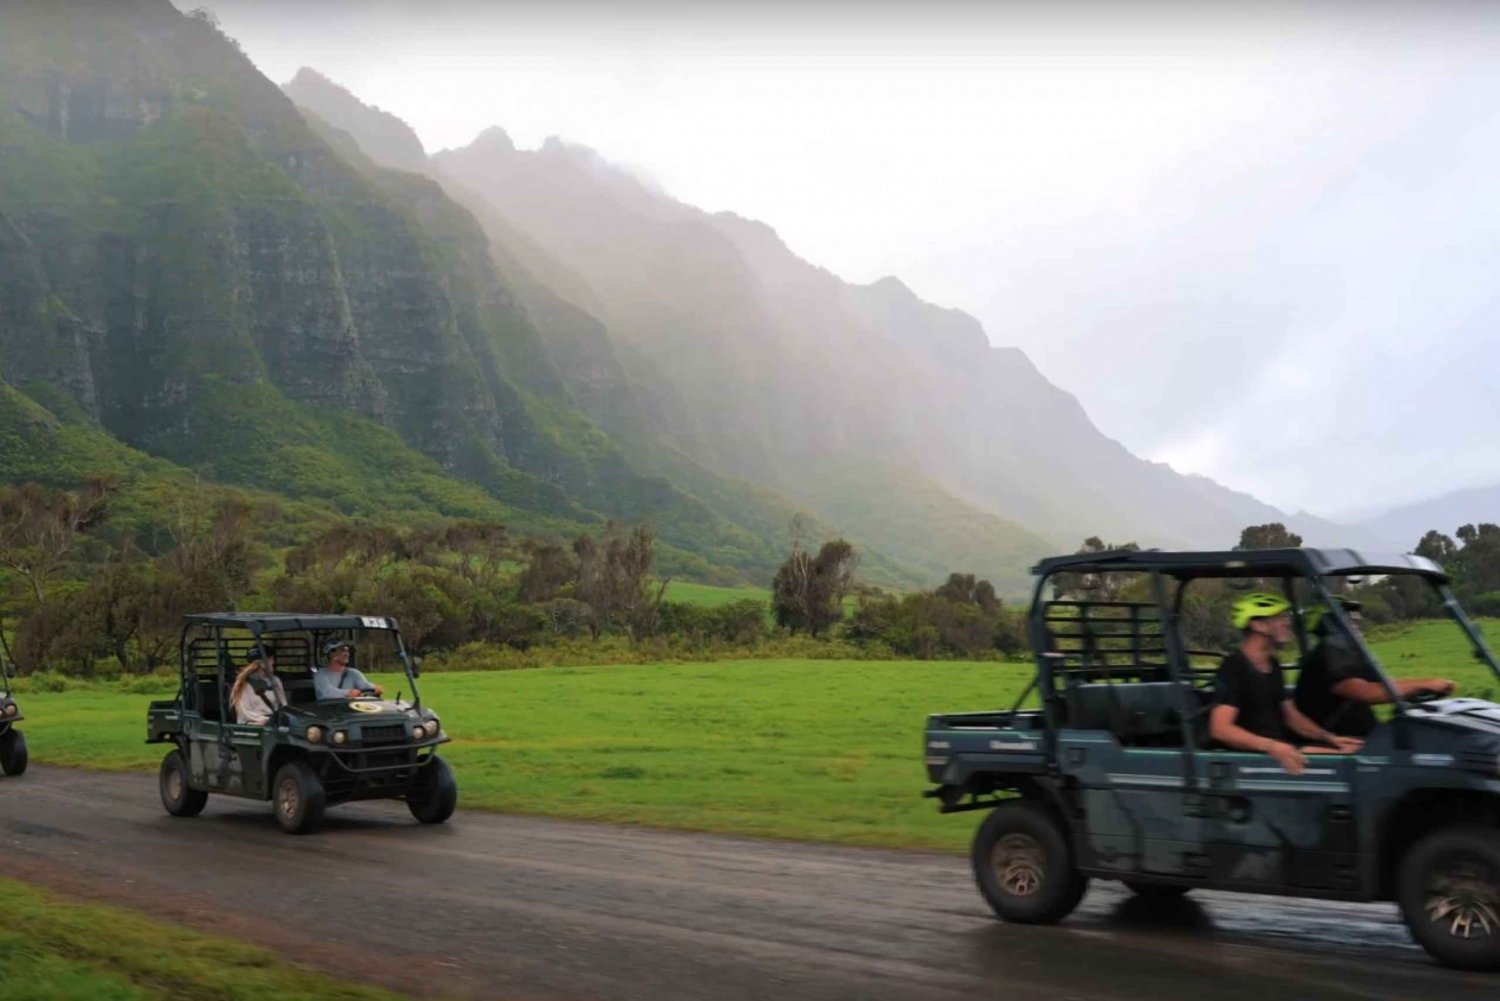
(1337, 686)
(1251, 710)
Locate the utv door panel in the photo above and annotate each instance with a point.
(1129, 793)
(1263, 825)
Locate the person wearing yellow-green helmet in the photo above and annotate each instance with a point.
(1251, 710)
(1336, 685)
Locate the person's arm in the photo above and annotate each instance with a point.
(1299, 723)
(359, 684)
(324, 687)
(1373, 693)
(250, 709)
(1224, 729)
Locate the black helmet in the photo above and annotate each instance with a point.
(333, 645)
(261, 651)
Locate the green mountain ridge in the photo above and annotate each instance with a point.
(209, 279)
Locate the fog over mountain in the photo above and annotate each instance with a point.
(1403, 526)
(766, 367)
(1254, 241)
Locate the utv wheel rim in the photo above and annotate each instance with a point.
(290, 800)
(1464, 897)
(174, 784)
(1018, 864)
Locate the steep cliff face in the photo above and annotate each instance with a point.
(381, 136)
(811, 372)
(191, 264)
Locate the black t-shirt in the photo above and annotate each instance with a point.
(1257, 695)
(1333, 660)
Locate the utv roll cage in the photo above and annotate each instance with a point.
(209, 657)
(1080, 643)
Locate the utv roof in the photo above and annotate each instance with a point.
(289, 622)
(1246, 563)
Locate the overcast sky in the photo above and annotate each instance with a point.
(1264, 247)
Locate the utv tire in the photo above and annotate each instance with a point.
(1449, 891)
(435, 795)
(298, 798)
(180, 799)
(1157, 891)
(1024, 864)
(13, 757)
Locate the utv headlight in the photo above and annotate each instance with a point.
(315, 734)
(10, 709)
(340, 736)
(418, 731)
(432, 726)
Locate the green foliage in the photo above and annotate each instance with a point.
(1272, 536)
(808, 592)
(960, 619)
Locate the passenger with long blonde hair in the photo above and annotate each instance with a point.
(257, 692)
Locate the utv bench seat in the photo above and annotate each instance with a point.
(1144, 713)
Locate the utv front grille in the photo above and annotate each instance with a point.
(385, 733)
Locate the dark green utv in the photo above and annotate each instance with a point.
(1113, 777)
(12, 744)
(312, 754)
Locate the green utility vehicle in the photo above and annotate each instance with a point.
(1113, 776)
(312, 753)
(13, 756)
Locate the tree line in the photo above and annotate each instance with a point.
(81, 599)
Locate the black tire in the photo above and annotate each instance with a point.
(1024, 864)
(13, 756)
(180, 799)
(434, 797)
(1157, 891)
(298, 799)
(1449, 891)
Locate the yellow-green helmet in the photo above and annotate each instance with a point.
(1258, 605)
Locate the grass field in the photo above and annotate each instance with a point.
(711, 596)
(51, 950)
(821, 750)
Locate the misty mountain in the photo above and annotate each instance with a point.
(1403, 527)
(192, 268)
(385, 139)
(778, 368)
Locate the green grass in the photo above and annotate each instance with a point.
(712, 596)
(51, 950)
(817, 750)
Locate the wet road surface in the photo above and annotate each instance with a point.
(494, 906)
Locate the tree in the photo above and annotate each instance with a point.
(40, 529)
(808, 591)
(963, 589)
(614, 580)
(549, 568)
(1272, 536)
(1437, 547)
(1095, 586)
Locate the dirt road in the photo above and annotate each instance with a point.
(508, 907)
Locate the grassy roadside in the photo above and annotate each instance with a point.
(52, 950)
(818, 750)
(803, 749)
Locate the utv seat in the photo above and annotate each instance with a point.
(1143, 714)
(208, 698)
